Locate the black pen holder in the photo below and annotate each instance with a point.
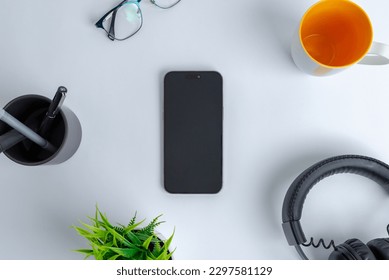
(65, 132)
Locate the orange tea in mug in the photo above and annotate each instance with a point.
(333, 35)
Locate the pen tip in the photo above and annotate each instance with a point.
(62, 89)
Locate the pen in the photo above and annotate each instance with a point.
(25, 130)
(54, 108)
(9, 139)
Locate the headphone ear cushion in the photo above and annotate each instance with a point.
(352, 249)
(380, 248)
(337, 254)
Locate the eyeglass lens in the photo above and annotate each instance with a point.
(126, 21)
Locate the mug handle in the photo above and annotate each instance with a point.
(377, 55)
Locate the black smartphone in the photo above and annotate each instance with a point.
(193, 132)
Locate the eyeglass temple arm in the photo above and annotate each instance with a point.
(162, 7)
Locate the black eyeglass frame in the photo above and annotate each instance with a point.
(111, 31)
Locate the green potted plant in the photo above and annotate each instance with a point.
(131, 242)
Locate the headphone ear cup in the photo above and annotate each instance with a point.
(380, 248)
(337, 254)
(352, 249)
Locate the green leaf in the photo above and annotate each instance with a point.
(168, 242)
(132, 221)
(132, 227)
(104, 219)
(114, 257)
(157, 248)
(119, 237)
(169, 256)
(149, 229)
(147, 242)
(114, 242)
(126, 253)
(82, 231)
(96, 219)
(134, 238)
(85, 251)
(93, 229)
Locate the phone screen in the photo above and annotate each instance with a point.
(193, 132)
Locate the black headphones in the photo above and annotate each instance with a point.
(352, 249)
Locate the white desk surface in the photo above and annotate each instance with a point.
(278, 121)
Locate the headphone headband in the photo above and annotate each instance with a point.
(298, 191)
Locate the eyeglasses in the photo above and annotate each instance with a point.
(125, 20)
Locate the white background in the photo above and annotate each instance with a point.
(277, 122)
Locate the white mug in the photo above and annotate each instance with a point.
(334, 35)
